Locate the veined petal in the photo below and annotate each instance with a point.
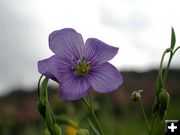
(66, 43)
(97, 51)
(105, 78)
(54, 67)
(46, 68)
(74, 88)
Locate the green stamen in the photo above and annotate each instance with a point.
(82, 68)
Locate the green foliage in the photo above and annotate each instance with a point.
(45, 110)
(173, 38)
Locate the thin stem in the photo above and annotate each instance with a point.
(159, 77)
(90, 99)
(87, 104)
(39, 85)
(153, 124)
(167, 68)
(169, 62)
(176, 49)
(144, 115)
(97, 122)
(50, 109)
(93, 114)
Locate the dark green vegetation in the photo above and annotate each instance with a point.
(117, 113)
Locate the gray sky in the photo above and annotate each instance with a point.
(140, 28)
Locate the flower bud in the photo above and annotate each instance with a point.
(136, 96)
(169, 49)
(56, 130)
(46, 132)
(82, 132)
(164, 99)
(164, 103)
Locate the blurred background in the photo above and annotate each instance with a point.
(142, 31)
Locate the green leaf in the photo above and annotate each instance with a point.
(173, 38)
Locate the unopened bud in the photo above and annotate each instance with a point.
(56, 130)
(164, 98)
(46, 132)
(164, 103)
(136, 95)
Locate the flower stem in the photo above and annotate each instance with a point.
(90, 107)
(167, 68)
(144, 115)
(154, 119)
(39, 81)
(159, 78)
(168, 65)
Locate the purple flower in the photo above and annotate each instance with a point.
(78, 67)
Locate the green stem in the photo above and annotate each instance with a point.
(144, 115)
(39, 81)
(168, 65)
(159, 78)
(153, 124)
(50, 109)
(90, 107)
(167, 68)
(176, 50)
(90, 99)
(162, 78)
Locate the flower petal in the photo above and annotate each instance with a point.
(97, 51)
(67, 43)
(45, 67)
(105, 78)
(54, 67)
(74, 88)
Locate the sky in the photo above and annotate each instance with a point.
(140, 28)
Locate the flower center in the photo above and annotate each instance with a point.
(82, 68)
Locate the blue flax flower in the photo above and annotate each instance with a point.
(78, 67)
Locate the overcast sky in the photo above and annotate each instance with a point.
(140, 28)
